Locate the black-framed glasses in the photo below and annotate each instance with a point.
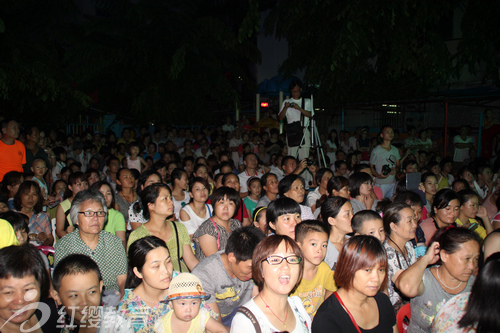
(276, 260)
(90, 213)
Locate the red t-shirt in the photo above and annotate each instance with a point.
(12, 157)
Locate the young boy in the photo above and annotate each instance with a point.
(39, 168)
(185, 295)
(78, 287)
(367, 222)
(317, 282)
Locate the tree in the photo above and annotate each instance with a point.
(363, 50)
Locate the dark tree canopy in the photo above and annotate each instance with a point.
(148, 60)
(364, 50)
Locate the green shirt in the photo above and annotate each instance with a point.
(116, 222)
(142, 232)
(109, 255)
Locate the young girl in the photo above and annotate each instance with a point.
(134, 161)
(259, 219)
(10, 186)
(369, 223)
(179, 194)
(39, 168)
(254, 190)
(197, 211)
(185, 295)
(60, 154)
(201, 170)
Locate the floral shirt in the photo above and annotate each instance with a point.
(446, 320)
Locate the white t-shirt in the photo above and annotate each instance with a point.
(461, 154)
(245, 176)
(242, 324)
(292, 114)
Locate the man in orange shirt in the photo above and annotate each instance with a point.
(12, 151)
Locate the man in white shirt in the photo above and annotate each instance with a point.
(293, 109)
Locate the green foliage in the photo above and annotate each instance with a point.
(365, 50)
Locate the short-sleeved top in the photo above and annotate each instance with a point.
(479, 230)
(461, 154)
(429, 228)
(109, 255)
(209, 227)
(123, 206)
(251, 204)
(380, 157)
(242, 324)
(179, 204)
(397, 262)
(244, 177)
(198, 323)
(8, 235)
(39, 223)
(12, 157)
(228, 292)
(264, 201)
(446, 320)
(425, 307)
(312, 197)
(194, 220)
(332, 255)
(183, 235)
(358, 206)
(115, 222)
(312, 292)
(331, 317)
(306, 213)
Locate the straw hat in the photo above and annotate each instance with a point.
(186, 285)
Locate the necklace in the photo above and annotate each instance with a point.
(437, 273)
(148, 300)
(283, 322)
(402, 253)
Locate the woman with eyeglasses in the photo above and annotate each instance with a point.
(277, 268)
(359, 303)
(361, 185)
(89, 213)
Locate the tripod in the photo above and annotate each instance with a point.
(315, 142)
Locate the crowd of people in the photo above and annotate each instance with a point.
(221, 229)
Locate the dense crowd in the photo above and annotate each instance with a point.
(219, 229)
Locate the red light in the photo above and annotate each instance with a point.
(264, 105)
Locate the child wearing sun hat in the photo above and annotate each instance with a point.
(187, 316)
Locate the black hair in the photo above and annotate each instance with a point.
(407, 162)
(58, 151)
(408, 197)
(17, 220)
(137, 253)
(295, 83)
(263, 179)
(144, 177)
(450, 238)
(74, 264)
(149, 195)
(227, 175)
(11, 178)
(19, 261)
(338, 164)
(320, 173)
(279, 207)
(177, 174)
(305, 227)
(286, 183)
(24, 188)
(337, 183)
(226, 192)
(466, 195)
(72, 180)
(427, 175)
(286, 159)
(392, 214)
(461, 181)
(360, 167)
(331, 208)
(484, 295)
(361, 217)
(97, 186)
(442, 200)
(356, 180)
(242, 242)
(198, 166)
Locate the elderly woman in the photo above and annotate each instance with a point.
(430, 288)
(277, 268)
(359, 302)
(29, 201)
(24, 281)
(89, 213)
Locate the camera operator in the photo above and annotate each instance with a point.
(297, 110)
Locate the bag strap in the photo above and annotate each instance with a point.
(208, 208)
(178, 251)
(249, 314)
(346, 310)
(301, 115)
